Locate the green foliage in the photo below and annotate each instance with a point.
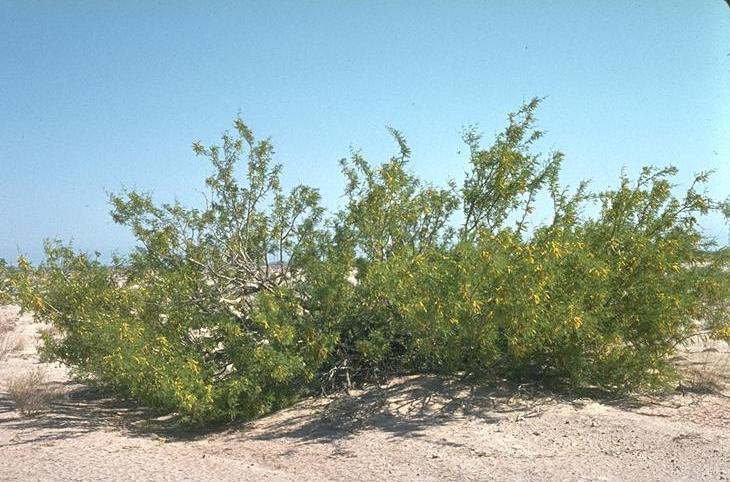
(237, 308)
(204, 317)
(5, 282)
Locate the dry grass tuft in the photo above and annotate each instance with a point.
(706, 372)
(31, 393)
(9, 342)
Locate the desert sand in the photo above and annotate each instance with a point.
(413, 428)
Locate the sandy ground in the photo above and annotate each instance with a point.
(421, 427)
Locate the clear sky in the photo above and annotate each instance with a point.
(95, 96)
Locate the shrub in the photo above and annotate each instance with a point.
(9, 343)
(5, 282)
(235, 309)
(199, 319)
(30, 393)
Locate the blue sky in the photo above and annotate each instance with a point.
(95, 96)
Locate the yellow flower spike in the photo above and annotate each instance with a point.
(555, 248)
(23, 263)
(723, 333)
(577, 321)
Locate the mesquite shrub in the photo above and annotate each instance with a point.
(235, 308)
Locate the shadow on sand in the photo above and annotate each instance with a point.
(77, 410)
(409, 406)
(405, 407)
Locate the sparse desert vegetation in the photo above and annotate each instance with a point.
(222, 259)
(704, 368)
(9, 342)
(238, 309)
(226, 260)
(30, 392)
